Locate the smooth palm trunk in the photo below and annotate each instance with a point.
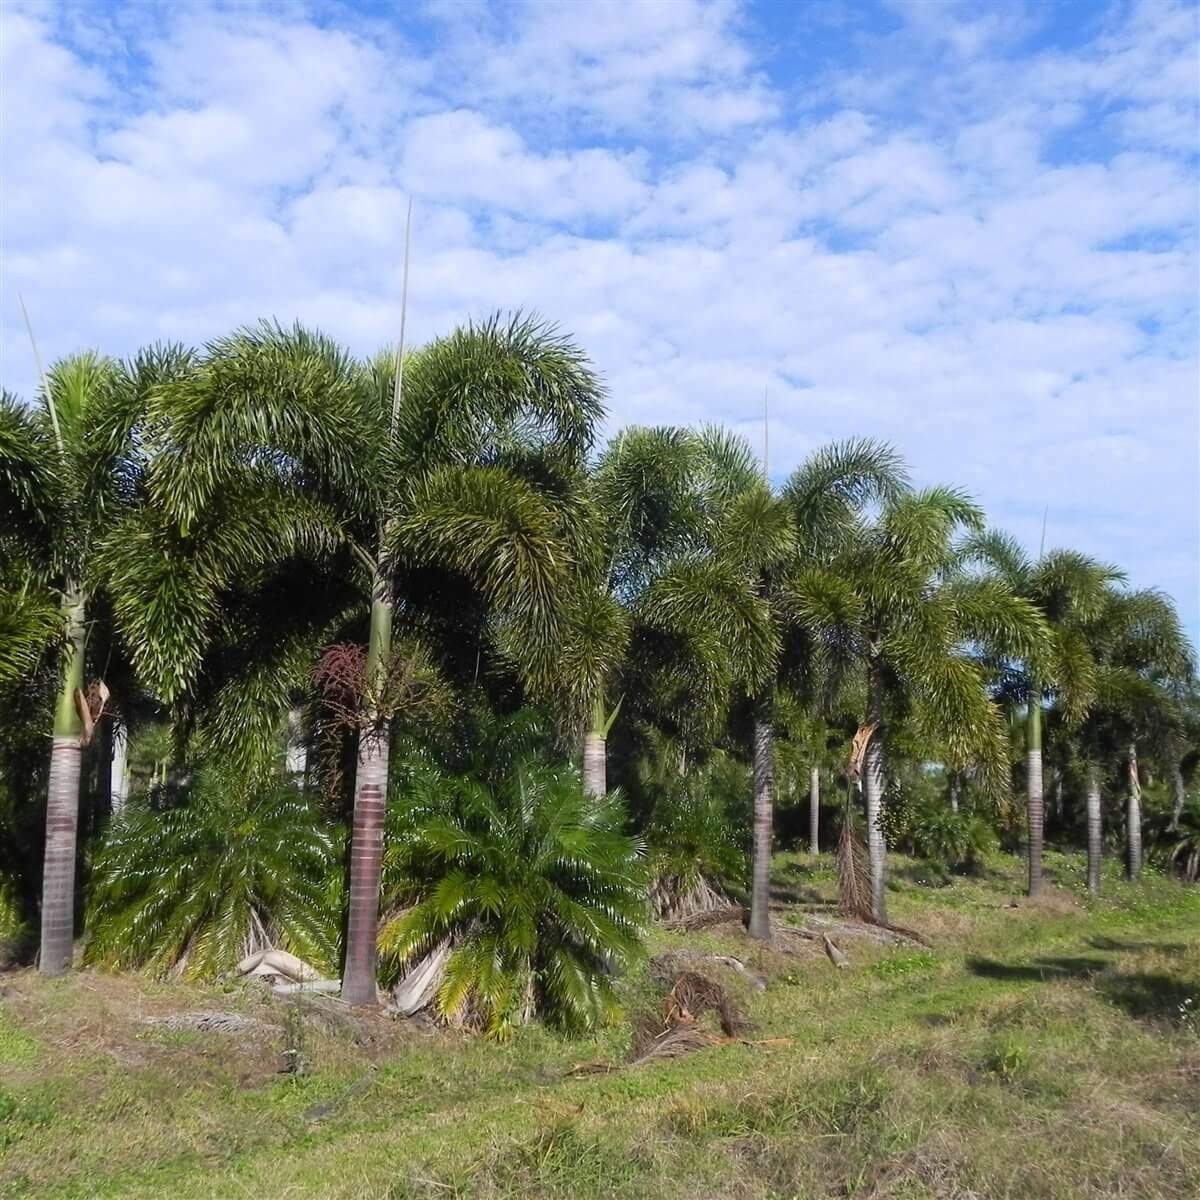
(1094, 832)
(62, 804)
(296, 757)
(366, 857)
(595, 763)
(953, 793)
(873, 792)
(119, 788)
(1180, 797)
(366, 838)
(764, 802)
(1034, 790)
(814, 810)
(1133, 818)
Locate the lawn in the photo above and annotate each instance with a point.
(1048, 1050)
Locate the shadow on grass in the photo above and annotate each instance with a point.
(1107, 943)
(1145, 995)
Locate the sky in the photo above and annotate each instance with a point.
(966, 228)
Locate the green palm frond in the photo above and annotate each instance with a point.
(918, 526)
(494, 528)
(193, 888)
(284, 399)
(31, 623)
(33, 502)
(492, 385)
(535, 885)
(998, 551)
(833, 485)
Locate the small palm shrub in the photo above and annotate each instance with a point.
(951, 841)
(1183, 844)
(239, 865)
(519, 895)
(695, 857)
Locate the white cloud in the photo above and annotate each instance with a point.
(987, 256)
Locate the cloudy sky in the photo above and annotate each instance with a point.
(970, 228)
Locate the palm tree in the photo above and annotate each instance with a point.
(642, 517)
(1143, 666)
(404, 478)
(72, 467)
(173, 891)
(892, 603)
(1068, 589)
(521, 890)
(769, 540)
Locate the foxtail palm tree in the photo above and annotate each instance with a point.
(70, 468)
(893, 604)
(774, 539)
(403, 475)
(1144, 665)
(1068, 589)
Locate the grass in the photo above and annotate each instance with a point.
(1047, 1050)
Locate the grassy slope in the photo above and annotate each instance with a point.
(1036, 1052)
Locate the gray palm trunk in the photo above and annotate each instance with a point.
(1094, 831)
(1035, 795)
(873, 793)
(814, 810)
(954, 793)
(119, 785)
(296, 759)
(1180, 797)
(62, 803)
(764, 802)
(1133, 817)
(595, 763)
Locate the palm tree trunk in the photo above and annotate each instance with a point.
(1133, 818)
(1033, 788)
(366, 838)
(296, 755)
(1180, 797)
(120, 768)
(595, 753)
(1094, 844)
(873, 792)
(953, 793)
(764, 788)
(814, 810)
(62, 802)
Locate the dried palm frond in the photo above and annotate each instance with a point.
(858, 748)
(853, 871)
(676, 1042)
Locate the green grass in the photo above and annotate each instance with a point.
(1036, 1051)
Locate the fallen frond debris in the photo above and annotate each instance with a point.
(211, 1022)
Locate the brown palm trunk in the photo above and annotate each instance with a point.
(814, 810)
(873, 792)
(370, 806)
(366, 858)
(62, 803)
(1094, 832)
(764, 800)
(1133, 818)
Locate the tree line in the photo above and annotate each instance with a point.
(534, 688)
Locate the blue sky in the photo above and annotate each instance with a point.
(969, 228)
